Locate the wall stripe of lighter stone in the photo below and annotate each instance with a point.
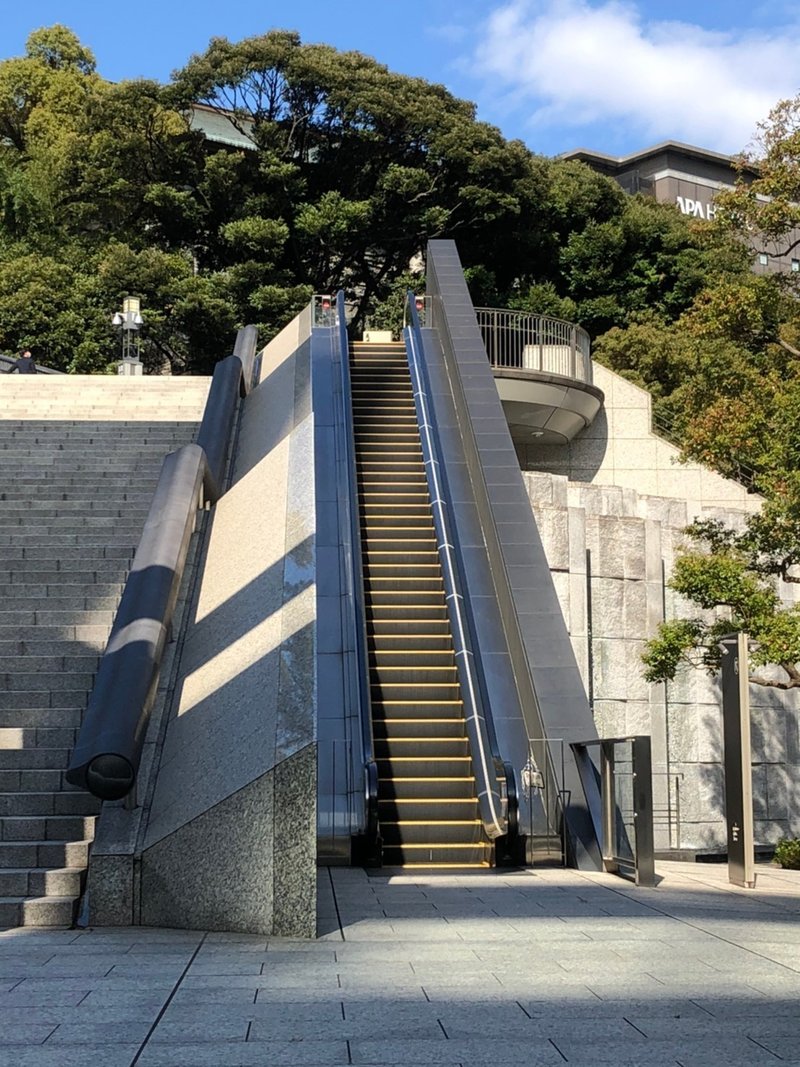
(632, 539)
(620, 449)
(230, 839)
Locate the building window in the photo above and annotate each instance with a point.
(795, 266)
(763, 258)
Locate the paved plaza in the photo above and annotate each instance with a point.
(502, 968)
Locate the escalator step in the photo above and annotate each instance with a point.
(441, 767)
(435, 833)
(420, 709)
(423, 748)
(466, 855)
(443, 657)
(393, 729)
(387, 616)
(430, 642)
(382, 690)
(427, 809)
(426, 789)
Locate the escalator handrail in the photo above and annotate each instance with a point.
(107, 753)
(363, 755)
(485, 760)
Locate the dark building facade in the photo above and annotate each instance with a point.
(688, 177)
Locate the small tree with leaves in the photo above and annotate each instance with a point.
(732, 578)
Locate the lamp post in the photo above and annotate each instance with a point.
(129, 322)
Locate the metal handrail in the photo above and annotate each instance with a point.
(493, 791)
(641, 864)
(520, 340)
(664, 426)
(11, 362)
(363, 755)
(106, 756)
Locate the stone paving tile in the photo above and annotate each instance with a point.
(29, 1033)
(586, 964)
(64, 1056)
(247, 1054)
(98, 1033)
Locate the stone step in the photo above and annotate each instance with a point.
(18, 854)
(35, 539)
(55, 592)
(47, 827)
(88, 601)
(38, 660)
(43, 698)
(123, 530)
(41, 556)
(29, 881)
(41, 719)
(37, 911)
(12, 510)
(86, 635)
(53, 681)
(41, 882)
(53, 649)
(35, 781)
(26, 737)
(33, 759)
(65, 570)
(56, 617)
(72, 803)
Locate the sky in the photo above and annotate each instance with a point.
(607, 75)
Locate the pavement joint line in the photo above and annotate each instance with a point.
(336, 904)
(168, 1001)
(558, 1050)
(700, 929)
(765, 1047)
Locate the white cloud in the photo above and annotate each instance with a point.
(580, 64)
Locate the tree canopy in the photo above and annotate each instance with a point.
(111, 189)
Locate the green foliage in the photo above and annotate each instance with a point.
(730, 578)
(109, 189)
(787, 853)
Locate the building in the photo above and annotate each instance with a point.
(690, 178)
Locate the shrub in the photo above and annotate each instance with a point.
(787, 853)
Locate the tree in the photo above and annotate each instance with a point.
(363, 166)
(731, 578)
(764, 208)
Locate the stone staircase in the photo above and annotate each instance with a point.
(79, 460)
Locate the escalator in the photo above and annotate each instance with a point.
(427, 794)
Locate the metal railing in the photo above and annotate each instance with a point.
(518, 340)
(106, 757)
(547, 800)
(625, 803)
(739, 472)
(667, 817)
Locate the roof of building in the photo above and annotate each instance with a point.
(617, 163)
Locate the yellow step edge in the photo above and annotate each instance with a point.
(431, 822)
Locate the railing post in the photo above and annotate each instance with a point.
(609, 807)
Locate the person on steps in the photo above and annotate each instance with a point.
(24, 364)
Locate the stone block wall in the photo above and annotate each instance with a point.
(609, 549)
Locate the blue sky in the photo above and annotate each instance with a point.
(602, 74)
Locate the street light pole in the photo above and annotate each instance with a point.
(129, 321)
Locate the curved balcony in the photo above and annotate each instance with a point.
(543, 371)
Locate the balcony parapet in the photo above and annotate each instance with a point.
(543, 371)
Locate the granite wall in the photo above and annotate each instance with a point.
(225, 834)
(609, 549)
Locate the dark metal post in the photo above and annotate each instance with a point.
(645, 872)
(738, 763)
